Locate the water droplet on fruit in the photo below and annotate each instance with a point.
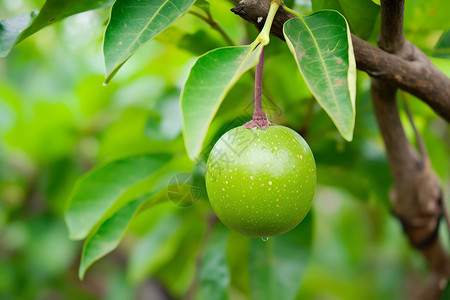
(265, 239)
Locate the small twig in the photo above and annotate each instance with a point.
(214, 25)
(419, 139)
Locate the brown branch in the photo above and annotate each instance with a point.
(416, 195)
(391, 37)
(418, 76)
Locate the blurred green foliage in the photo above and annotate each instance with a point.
(57, 121)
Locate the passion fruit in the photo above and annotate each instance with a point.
(261, 182)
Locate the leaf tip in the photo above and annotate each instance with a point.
(81, 272)
(348, 136)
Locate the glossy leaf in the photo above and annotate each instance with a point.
(211, 77)
(322, 46)
(214, 276)
(155, 248)
(10, 30)
(361, 15)
(133, 23)
(108, 235)
(277, 265)
(98, 190)
(17, 29)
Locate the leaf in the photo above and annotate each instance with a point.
(277, 265)
(203, 5)
(155, 248)
(133, 23)
(98, 190)
(442, 48)
(322, 46)
(214, 275)
(17, 29)
(361, 15)
(211, 77)
(108, 235)
(11, 28)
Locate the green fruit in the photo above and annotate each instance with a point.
(261, 183)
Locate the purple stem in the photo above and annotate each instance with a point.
(259, 117)
(258, 112)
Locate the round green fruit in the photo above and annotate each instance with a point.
(261, 183)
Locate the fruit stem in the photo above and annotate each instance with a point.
(264, 35)
(258, 85)
(259, 117)
(289, 10)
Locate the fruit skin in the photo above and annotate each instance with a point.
(261, 183)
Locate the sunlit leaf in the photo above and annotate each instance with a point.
(17, 29)
(211, 77)
(277, 265)
(133, 23)
(214, 276)
(361, 15)
(98, 190)
(442, 48)
(322, 46)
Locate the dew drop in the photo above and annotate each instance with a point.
(265, 239)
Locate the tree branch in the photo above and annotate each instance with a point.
(391, 37)
(416, 195)
(417, 75)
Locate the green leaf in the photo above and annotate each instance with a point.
(214, 275)
(134, 22)
(442, 48)
(11, 28)
(322, 46)
(99, 189)
(108, 235)
(203, 5)
(155, 248)
(17, 29)
(361, 15)
(277, 265)
(211, 77)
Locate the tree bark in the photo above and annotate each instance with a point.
(416, 195)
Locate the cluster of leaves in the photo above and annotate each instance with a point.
(121, 194)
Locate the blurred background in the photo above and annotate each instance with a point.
(57, 121)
